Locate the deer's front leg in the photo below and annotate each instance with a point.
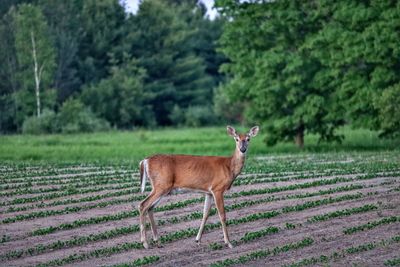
(219, 202)
(206, 211)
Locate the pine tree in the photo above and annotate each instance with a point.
(160, 39)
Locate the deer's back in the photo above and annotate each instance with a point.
(185, 171)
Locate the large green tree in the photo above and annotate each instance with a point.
(8, 74)
(66, 29)
(120, 98)
(159, 37)
(271, 72)
(359, 45)
(101, 23)
(35, 55)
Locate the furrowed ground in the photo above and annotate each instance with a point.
(291, 210)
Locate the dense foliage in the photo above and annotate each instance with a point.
(156, 67)
(311, 66)
(294, 67)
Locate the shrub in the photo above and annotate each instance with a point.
(196, 116)
(388, 106)
(74, 118)
(177, 116)
(46, 123)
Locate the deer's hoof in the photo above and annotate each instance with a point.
(145, 245)
(230, 245)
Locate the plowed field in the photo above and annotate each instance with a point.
(299, 210)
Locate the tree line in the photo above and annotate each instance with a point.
(295, 67)
(70, 66)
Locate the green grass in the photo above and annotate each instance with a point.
(124, 146)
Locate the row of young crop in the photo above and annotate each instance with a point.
(198, 215)
(322, 259)
(46, 213)
(75, 180)
(280, 171)
(81, 240)
(190, 232)
(133, 184)
(367, 164)
(123, 215)
(53, 172)
(68, 186)
(73, 191)
(95, 178)
(238, 182)
(339, 254)
(85, 199)
(69, 192)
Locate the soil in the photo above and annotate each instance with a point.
(327, 235)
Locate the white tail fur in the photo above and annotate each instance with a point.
(144, 167)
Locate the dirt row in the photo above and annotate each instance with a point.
(20, 230)
(182, 253)
(327, 235)
(235, 230)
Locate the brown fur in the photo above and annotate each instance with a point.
(209, 174)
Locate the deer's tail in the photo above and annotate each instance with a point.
(143, 166)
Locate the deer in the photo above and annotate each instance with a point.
(211, 175)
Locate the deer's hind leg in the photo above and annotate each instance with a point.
(144, 207)
(153, 225)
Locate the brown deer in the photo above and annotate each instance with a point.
(207, 174)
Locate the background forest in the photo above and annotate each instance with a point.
(294, 67)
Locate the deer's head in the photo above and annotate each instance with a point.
(242, 140)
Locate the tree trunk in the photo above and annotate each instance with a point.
(299, 138)
(37, 74)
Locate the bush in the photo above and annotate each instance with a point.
(75, 118)
(72, 118)
(388, 106)
(226, 109)
(46, 123)
(177, 116)
(196, 116)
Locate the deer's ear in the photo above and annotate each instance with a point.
(254, 131)
(231, 131)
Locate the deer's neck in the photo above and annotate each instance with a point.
(237, 163)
